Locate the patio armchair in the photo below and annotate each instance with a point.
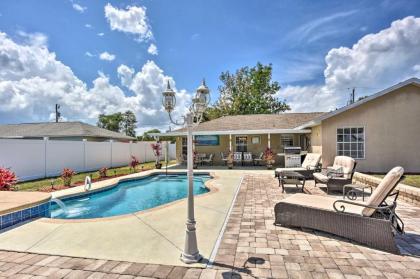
(248, 158)
(310, 165)
(224, 158)
(373, 223)
(208, 160)
(338, 175)
(259, 159)
(237, 157)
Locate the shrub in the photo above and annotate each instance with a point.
(7, 179)
(269, 156)
(134, 162)
(103, 172)
(157, 150)
(67, 175)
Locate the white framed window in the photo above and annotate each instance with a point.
(241, 143)
(286, 140)
(256, 140)
(351, 142)
(184, 146)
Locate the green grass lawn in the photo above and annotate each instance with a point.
(410, 179)
(36, 185)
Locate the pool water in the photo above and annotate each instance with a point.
(128, 197)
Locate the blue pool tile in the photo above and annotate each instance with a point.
(6, 218)
(26, 214)
(34, 211)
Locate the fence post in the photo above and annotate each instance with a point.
(45, 156)
(130, 148)
(110, 142)
(84, 155)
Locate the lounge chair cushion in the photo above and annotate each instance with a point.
(320, 202)
(383, 189)
(298, 169)
(347, 163)
(320, 177)
(311, 160)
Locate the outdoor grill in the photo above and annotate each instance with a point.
(292, 158)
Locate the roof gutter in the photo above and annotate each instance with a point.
(233, 132)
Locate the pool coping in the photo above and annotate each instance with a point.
(24, 205)
(210, 184)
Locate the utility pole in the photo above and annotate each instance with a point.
(57, 112)
(352, 96)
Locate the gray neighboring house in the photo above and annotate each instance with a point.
(76, 131)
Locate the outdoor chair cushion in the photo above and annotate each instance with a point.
(320, 202)
(323, 178)
(347, 163)
(291, 169)
(311, 160)
(383, 189)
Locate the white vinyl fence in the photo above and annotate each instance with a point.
(31, 159)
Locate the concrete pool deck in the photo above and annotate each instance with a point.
(153, 236)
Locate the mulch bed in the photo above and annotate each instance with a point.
(62, 187)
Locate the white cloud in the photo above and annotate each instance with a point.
(375, 62)
(321, 27)
(106, 56)
(132, 20)
(89, 26)
(38, 39)
(89, 54)
(32, 80)
(101, 34)
(152, 49)
(79, 8)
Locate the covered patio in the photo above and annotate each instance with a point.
(247, 134)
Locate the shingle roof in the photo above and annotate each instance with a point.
(60, 129)
(256, 122)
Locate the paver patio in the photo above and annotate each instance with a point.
(254, 248)
(251, 247)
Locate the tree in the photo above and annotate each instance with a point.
(119, 122)
(147, 137)
(129, 123)
(248, 91)
(110, 122)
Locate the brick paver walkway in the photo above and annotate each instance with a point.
(252, 247)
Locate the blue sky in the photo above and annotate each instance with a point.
(198, 39)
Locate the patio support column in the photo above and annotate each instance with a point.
(230, 142)
(269, 141)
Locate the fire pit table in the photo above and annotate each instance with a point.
(291, 177)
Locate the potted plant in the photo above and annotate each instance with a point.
(103, 172)
(67, 175)
(269, 158)
(157, 150)
(229, 161)
(134, 163)
(7, 179)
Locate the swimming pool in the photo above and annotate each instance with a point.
(128, 197)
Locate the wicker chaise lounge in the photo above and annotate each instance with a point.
(338, 175)
(373, 223)
(309, 166)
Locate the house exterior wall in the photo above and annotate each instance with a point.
(316, 139)
(392, 131)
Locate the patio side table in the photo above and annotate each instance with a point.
(291, 177)
(353, 188)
